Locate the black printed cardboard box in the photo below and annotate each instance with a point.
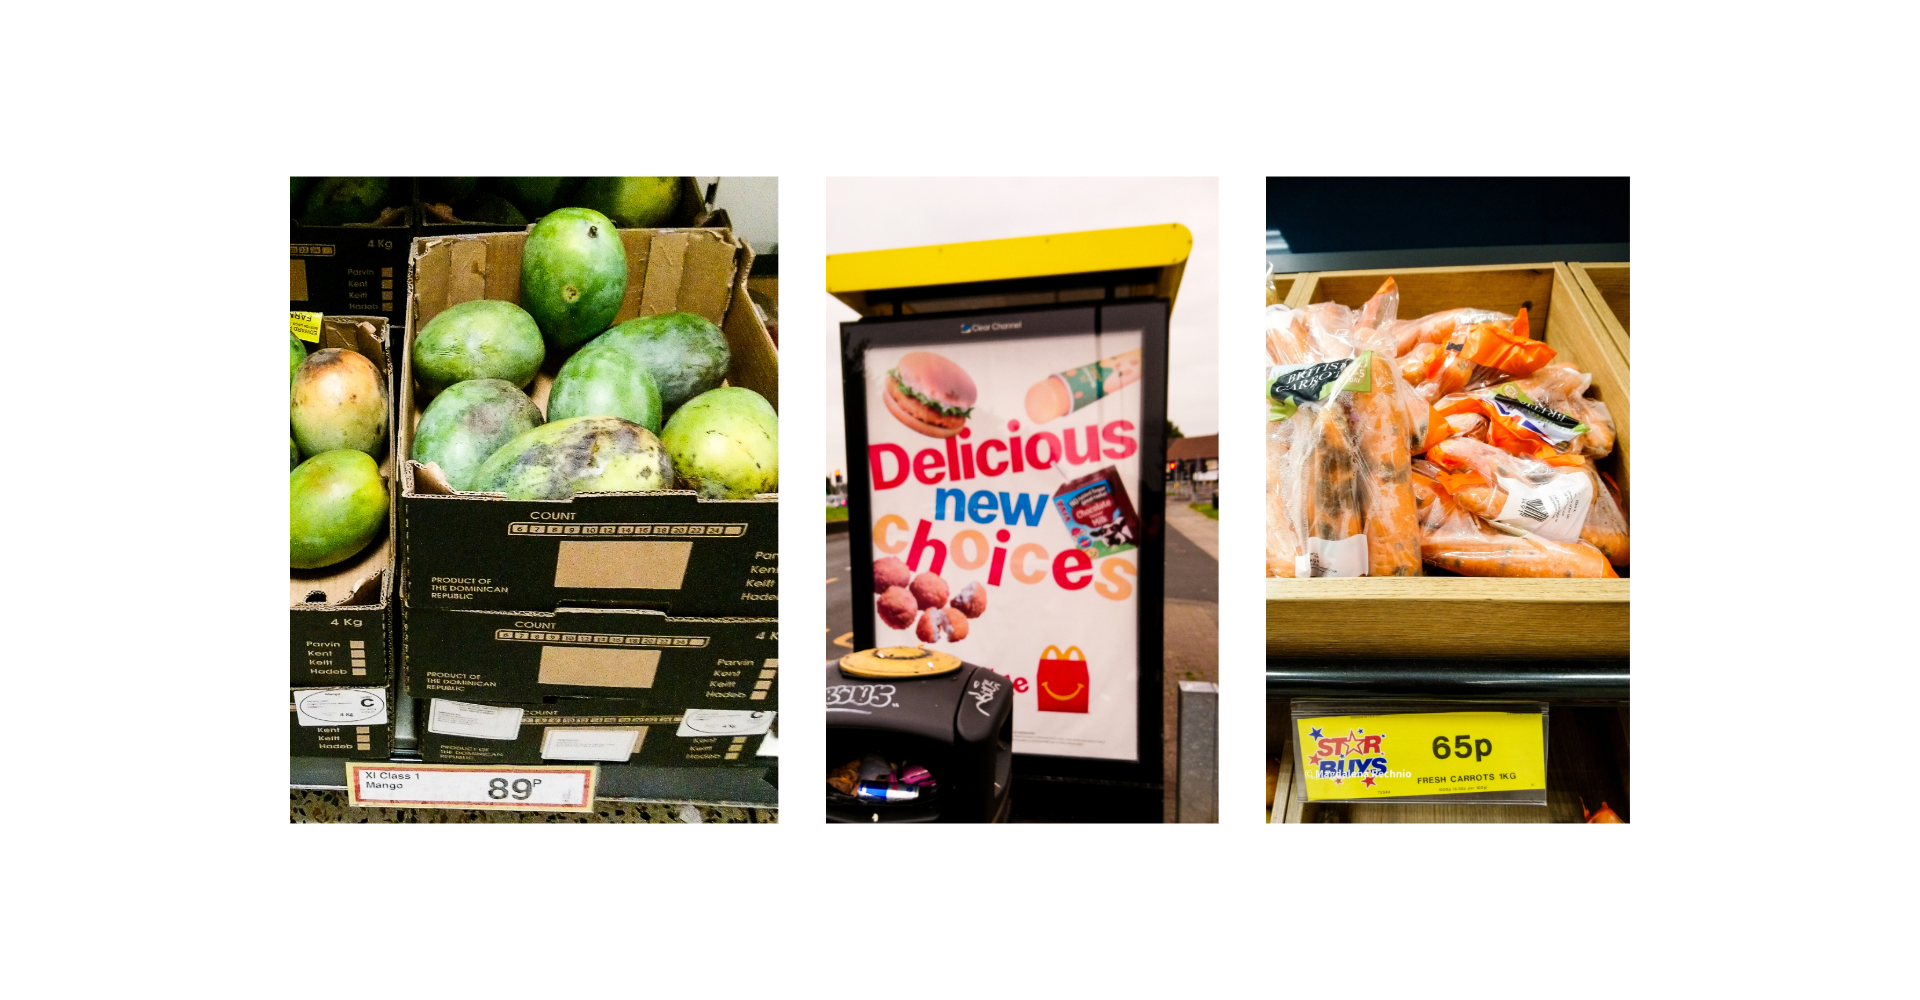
(557, 730)
(668, 550)
(654, 661)
(341, 613)
(354, 723)
(357, 269)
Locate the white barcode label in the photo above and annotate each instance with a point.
(614, 745)
(484, 722)
(341, 706)
(1556, 509)
(1325, 557)
(724, 722)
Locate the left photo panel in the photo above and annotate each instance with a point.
(533, 443)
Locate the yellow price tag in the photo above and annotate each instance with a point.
(306, 326)
(1434, 753)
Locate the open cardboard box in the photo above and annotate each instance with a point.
(1492, 616)
(565, 730)
(666, 550)
(340, 612)
(1609, 290)
(716, 663)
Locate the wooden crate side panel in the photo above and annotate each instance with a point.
(1387, 618)
(1579, 339)
(1426, 290)
(1606, 289)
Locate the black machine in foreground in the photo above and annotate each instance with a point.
(917, 736)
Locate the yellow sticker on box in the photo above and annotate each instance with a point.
(306, 326)
(1429, 753)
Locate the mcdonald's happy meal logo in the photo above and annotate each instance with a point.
(1355, 755)
(1062, 682)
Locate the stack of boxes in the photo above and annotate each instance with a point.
(341, 676)
(615, 628)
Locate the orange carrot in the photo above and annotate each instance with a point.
(1463, 544)
(1435, 328)
(1419, 363)
(1392, 524)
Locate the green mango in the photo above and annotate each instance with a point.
(605, 382)
(725, 443)
(581, 455)
(339, 503)
(484, 338)
(573, 276)
(338, 201)
(467, 423)
(339, 401)
(297, 353)
(631, 202)
(536, 196)
(686, 353)
(494, 210)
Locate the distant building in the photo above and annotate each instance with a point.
(1188, 455)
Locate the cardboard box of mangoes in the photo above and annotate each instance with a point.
(560, 730)
(645, 657)
(533, 478)
(341, 601)
(348, 244)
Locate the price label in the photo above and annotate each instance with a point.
(1435, 753)
(306, 326)
(543, 789)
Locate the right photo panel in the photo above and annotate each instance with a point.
(1448, 495)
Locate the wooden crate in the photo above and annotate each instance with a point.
(1280, 287)
(1490, 616)
(1609, 292)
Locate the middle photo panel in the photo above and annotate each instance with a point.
(1005, 491)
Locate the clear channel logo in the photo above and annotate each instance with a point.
(989, 327)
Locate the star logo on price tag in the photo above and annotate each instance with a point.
(1367, 781)
(1314, 732)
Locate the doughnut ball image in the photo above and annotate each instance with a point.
(929, 590)
(971, 600)
(941, 625)
(897, 607)
(890, 572)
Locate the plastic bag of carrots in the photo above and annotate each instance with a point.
(1503, 484)
(1342, 428)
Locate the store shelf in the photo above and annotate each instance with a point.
(744, 787)
(1360, 260)
(1552, 680)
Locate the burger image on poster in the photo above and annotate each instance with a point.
(930, 394)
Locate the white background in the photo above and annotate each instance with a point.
(1770, 152)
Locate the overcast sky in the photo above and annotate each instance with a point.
(885, 214)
